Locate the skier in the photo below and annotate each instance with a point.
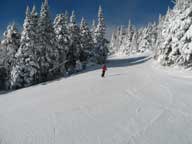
(104, 69)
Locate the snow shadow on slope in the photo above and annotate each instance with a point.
(111, 63)
(127, 61)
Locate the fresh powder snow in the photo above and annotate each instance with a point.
(137, 102)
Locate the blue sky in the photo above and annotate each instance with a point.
(117, 12)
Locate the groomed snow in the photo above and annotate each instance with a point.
(137, 103)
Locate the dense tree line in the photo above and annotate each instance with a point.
(130, 40)
(174, 45)
(44, 50)
(170, 39)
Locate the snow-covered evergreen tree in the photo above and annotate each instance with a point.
(120, 38)
(62, 36)
(87, 43)
(134, 42)
(93, 28)
(116, 41)
(10, 45)
(147, 38)
(127, 42)
(48, 55)
(144, 43)
(25, 71)
(101, 48)
(73, 54)
(66, 16)
(113, 43)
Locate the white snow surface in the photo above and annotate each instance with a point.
(136, 103)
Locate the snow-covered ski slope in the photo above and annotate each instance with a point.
(137, 103)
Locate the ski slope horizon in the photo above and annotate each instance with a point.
(137, 102)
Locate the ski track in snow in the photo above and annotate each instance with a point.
(136, 103)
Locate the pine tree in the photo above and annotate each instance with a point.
(112, 44)
(125, 39)
(93, 28)
(48, 55)
(129, 38)
(134, 43)
(120, 36)
(66, 16)
(101, 43)
(25, 71)
(73, 54)
(66, 25)
(62, 36)
(122, 40)
(145, 39)
(10, 45)
(86, 42)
